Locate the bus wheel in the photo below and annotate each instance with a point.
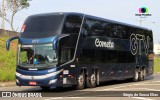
(45, 88)
(142, 75)
(136, 76)
(92, 81)
(80, 82)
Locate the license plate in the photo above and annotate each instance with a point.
(32, 83)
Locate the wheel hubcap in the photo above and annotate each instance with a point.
(93, 79)
(81, 80)
(136, 75)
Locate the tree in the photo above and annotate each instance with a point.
(4, 15)
(14, 6)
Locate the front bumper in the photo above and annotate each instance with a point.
(49, 79)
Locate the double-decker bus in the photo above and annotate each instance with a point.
(74, 49)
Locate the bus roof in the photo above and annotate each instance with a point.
(99, 18)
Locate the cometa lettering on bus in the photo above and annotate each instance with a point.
(108, 44)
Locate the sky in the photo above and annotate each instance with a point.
(119, 10)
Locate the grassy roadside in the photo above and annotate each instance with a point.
(157, 64)
(7, 60)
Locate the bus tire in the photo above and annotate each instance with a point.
(45, 88)
(136, 76)
(92, 81)
(80, 82)
(142, 74)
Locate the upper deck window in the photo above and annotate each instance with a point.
(72, 24)
(93, 27)
(42, 26)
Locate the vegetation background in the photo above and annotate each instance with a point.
(7, 60)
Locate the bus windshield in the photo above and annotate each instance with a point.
(39, 55)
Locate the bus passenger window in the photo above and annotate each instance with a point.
(121, 31)
(65, 55)
(107, 29)
(87, 56)
(72, 24)
(114, 31)
(92, 27)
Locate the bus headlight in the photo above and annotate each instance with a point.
(52, 81)
(17, 80)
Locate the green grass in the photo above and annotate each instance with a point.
(157, 64)
(7, 60)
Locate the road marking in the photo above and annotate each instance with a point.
(112, 88)
(141, 98)
(118, 87)
(125, 86)
(151, 89)
(137, 89)
(150, 84)
(156, 81)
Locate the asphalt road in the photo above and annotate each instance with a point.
(111, 90)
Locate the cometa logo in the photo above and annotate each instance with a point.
(99, 43)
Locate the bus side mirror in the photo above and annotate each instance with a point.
(9, 41)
